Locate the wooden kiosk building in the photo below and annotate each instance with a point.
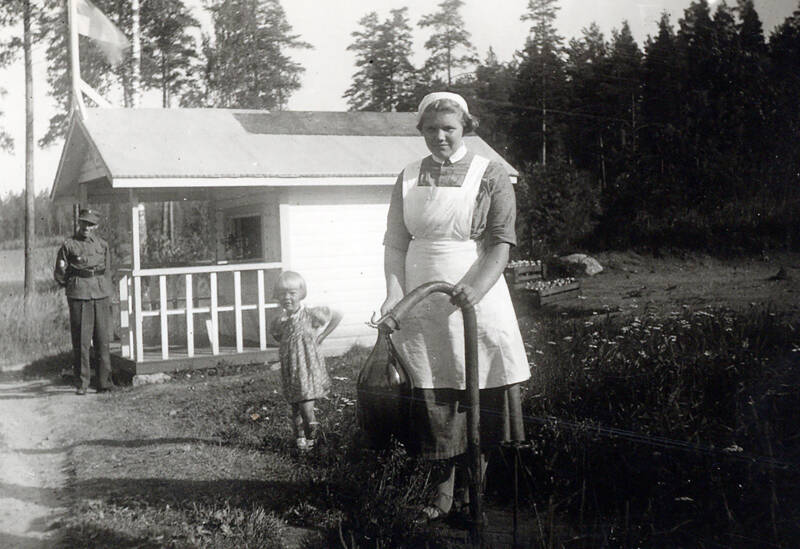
(310, 190)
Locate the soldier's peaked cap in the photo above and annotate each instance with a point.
(89, 216)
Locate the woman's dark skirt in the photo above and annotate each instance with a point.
(439, 420)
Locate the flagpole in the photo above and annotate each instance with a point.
(74, 60)
(136, 73)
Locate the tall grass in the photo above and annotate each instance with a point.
(39, 331)
(41, 242)
(656, 431)
(12, 264)
(651, 431)
(669, 431)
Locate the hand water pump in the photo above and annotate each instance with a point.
(393, 320)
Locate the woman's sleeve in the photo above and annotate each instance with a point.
(499, 205)
(397, 235)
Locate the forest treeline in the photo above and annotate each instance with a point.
(689, 140)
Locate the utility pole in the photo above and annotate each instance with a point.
(544, 109)
(29, 187)
(136, 85)
(76, 100)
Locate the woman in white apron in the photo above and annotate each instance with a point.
(451, 218)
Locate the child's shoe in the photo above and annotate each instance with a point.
(302, 444)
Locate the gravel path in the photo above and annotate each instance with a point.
(33, 478)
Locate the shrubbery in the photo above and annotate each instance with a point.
(558, 207)
(675, 431)
(655, 431)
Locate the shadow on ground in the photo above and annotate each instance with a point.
(277, 497)
(112, 443)
(48, 367)
(44, 389)
(19, 542)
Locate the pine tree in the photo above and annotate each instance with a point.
(449, 45)
(491, 104)
(362, 93)
(540, 85)
(385, 79)
(784, 118)
(624, 98)
(586, 132)
(169, 50)
(752, 72)
(250, 67)
(9, 51)
(661, 100)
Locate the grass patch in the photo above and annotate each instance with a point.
(652, 427)
(653, 431)
(41, 330)
(199, 526)
(668, 430)
(12, 263)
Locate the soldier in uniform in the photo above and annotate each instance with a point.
(83, 268)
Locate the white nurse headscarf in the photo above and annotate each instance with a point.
(436, 96)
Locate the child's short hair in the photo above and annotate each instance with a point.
(290, 280)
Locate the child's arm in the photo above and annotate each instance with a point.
(336, 318)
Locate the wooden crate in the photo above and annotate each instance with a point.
(555, 293)
(517, 276)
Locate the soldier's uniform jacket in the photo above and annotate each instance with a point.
(83, 267)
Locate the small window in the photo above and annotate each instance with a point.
(244, 240)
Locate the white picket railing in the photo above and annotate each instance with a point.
(132, 313)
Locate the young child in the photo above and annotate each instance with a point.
(300, 330)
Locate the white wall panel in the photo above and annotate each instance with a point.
(337, 248)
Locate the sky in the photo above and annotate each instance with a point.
(327, 25)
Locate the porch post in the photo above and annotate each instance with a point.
(138, 350)
(189, 317)
(162, 314)
(237, 309)
(262, 324)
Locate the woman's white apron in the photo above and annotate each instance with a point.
(431, 338)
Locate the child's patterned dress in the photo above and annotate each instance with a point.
(302, 366)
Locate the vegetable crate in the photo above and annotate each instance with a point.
(521, 272)
(551, 291)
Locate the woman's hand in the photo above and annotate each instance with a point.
(481, 276)
(389, 303)
(464, 294)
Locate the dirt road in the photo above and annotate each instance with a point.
(33, 491)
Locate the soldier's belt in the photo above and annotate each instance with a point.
(88, 273)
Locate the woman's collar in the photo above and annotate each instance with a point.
(460, 153)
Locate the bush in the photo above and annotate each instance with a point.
(558, 206)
